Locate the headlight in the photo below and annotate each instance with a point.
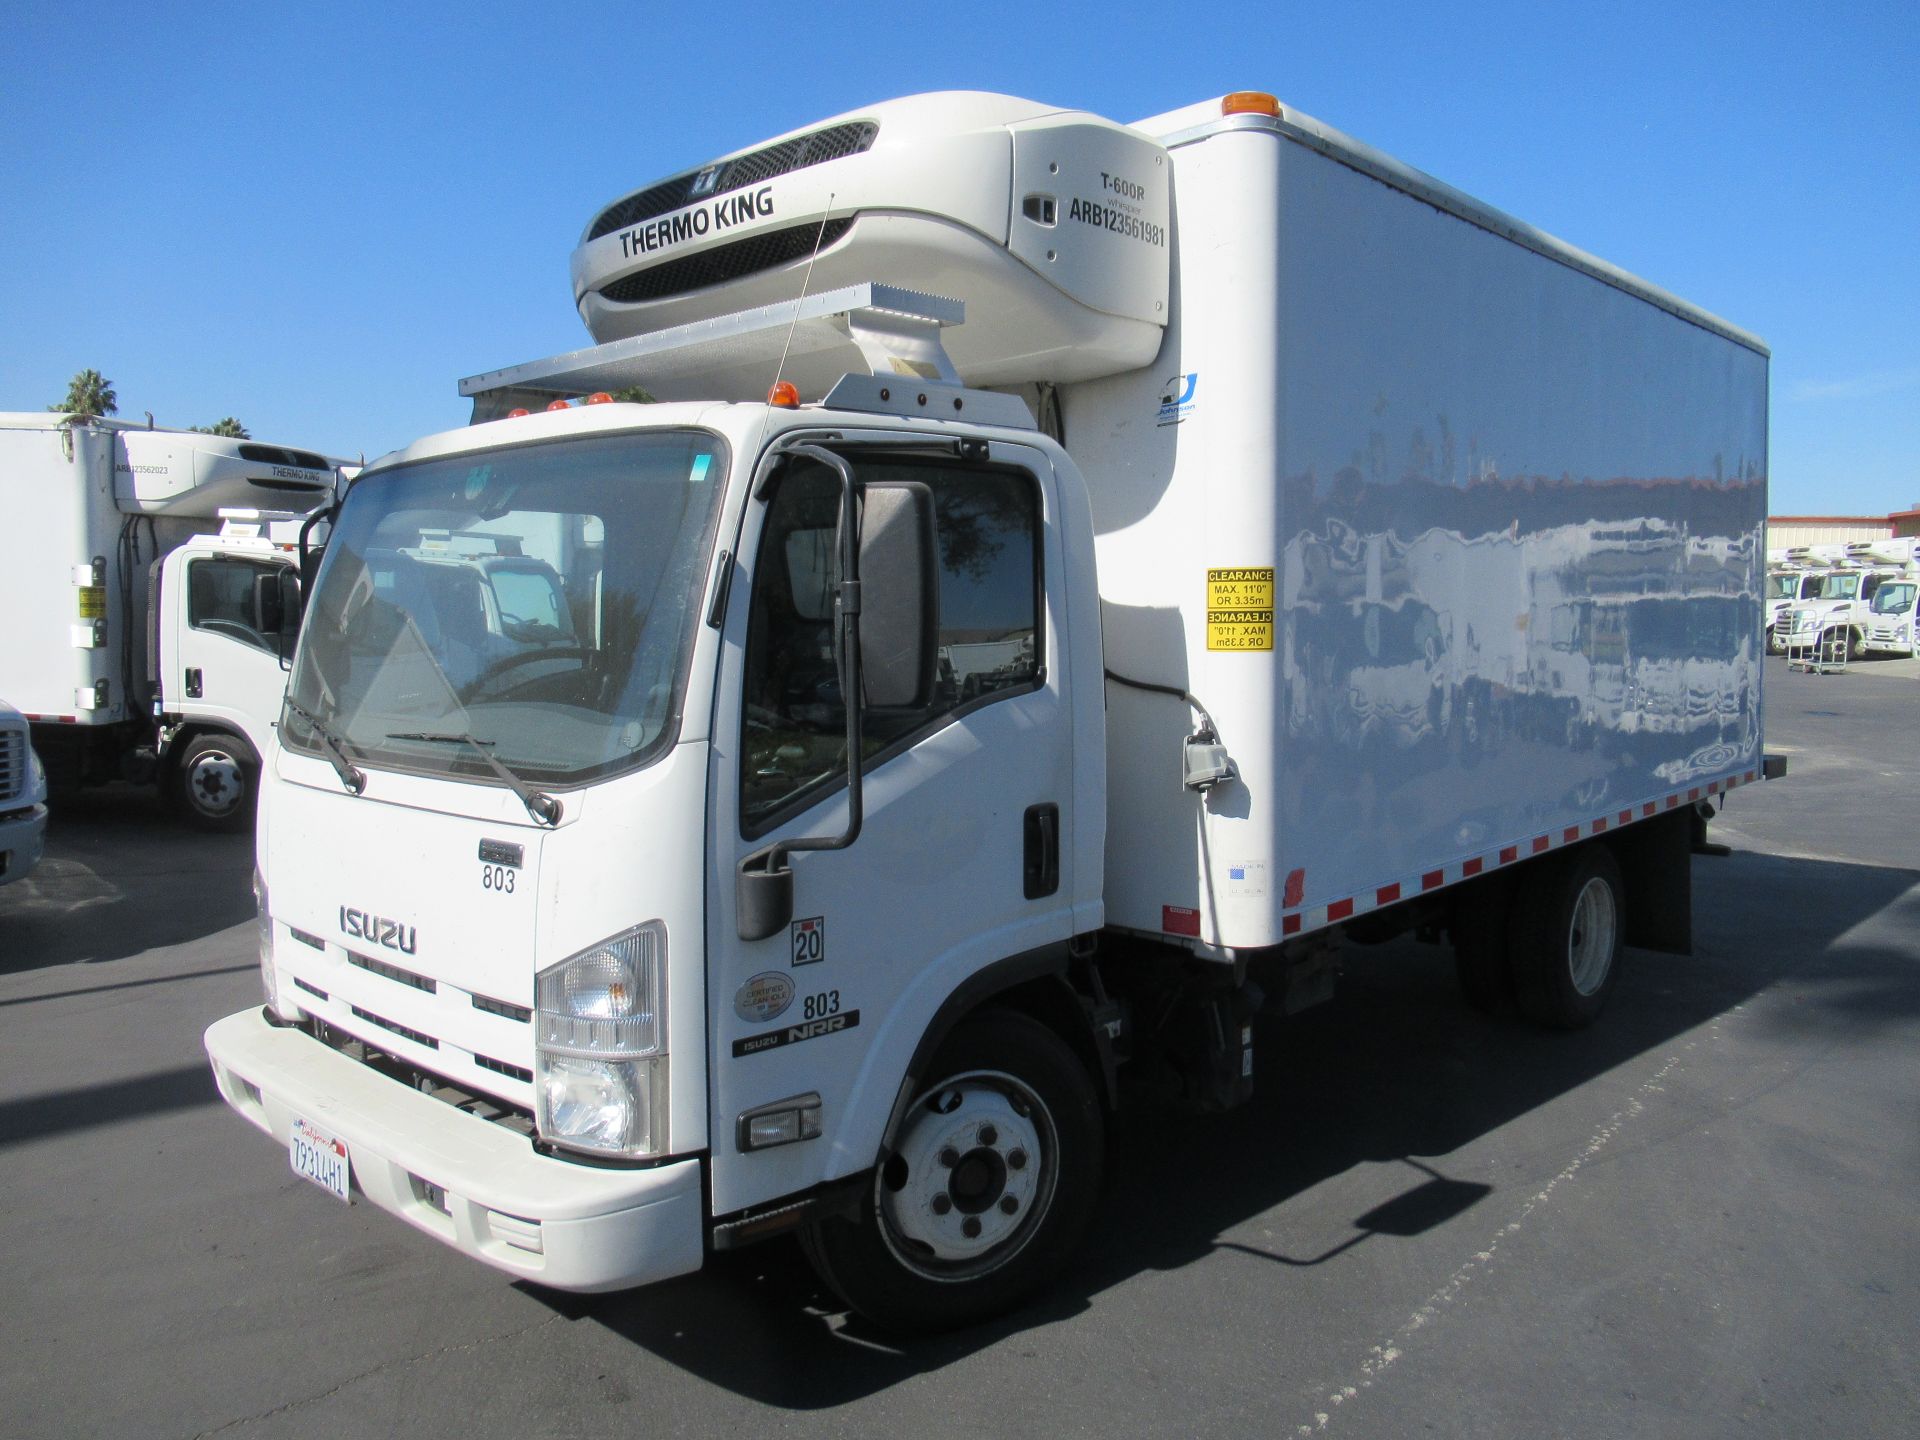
(263, 934)
(600, 1041)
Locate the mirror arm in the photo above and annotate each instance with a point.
(764, 886)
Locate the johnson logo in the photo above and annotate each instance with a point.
(378, 930)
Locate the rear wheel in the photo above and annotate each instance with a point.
(214, 781)
(1565, 937)
(984, 1189)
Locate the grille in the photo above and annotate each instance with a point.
(13, 765)
(396, 1027)
(502, 1007)
(393, 972)
(277, 455)
(486, 1107)
(502, 1067)
(836, 142)
(725, 262)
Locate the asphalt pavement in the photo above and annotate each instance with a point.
(1696, 1219)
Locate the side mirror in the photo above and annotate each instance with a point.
(286, 606)
(269, 611)
(900, 595)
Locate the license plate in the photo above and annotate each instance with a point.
(318, 1157)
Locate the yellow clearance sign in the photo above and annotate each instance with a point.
(1240, 609)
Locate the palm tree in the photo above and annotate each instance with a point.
(89, 393)
(227, 426)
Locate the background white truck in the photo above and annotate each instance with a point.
(1845, 617)
(1336, 557)
(23, 798)
(142, 646)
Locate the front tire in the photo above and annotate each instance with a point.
(1565, 938)
(984, 1189)
(214, 781)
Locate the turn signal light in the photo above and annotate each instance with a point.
(1249, 102)
(784, 395)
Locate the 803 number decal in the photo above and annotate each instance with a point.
(818, 1007)
(497, 877)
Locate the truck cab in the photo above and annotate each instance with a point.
(1891, 627)
(1836, 619)
(633, 613)
(224, 610)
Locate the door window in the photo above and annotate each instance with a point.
(987, 523)
(220, 598)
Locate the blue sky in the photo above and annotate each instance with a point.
(317, 218)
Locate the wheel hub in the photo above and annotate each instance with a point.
(214, 783)
(1590, 937)
(970, 1172)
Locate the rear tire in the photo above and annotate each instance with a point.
(214, 781)
(983, 1190)
(1565, 937)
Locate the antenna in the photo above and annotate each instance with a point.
(805, 280)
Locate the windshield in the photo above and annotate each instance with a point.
(540, 599)
(1840, 587)
(1894, 598)
(1781, 587)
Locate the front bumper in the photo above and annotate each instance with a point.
(573, 1227)
(23, 838)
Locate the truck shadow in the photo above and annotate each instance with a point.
(1395, 1069)
(108, 886)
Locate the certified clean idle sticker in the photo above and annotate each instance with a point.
(763, 997)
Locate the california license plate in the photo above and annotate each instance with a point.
(319, 1157)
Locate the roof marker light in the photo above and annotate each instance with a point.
(559, 405)
(517, 412)
(1249, 102)
(784, 395)
(599, 397)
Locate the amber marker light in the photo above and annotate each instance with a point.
(1249, 102)
(785, 395)
(517, 412)
(559, 405)
(599, 397)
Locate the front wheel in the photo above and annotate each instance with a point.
(984, 1188)
(214, 781)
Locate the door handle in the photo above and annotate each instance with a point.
(194, 687)
(1041, 852)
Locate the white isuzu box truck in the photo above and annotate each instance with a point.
(140, 645)
(1168, 549)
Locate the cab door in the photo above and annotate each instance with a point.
(964, 856)
(219, 662)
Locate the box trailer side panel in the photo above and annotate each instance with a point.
(56, 490)
(1460, 546)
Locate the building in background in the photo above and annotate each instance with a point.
(1786, 531)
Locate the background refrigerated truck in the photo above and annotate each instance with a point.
(1373, 563)
(142, 647)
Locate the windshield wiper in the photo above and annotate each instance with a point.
(351, 776)
(542, 807)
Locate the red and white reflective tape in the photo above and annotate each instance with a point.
(1317, 917)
